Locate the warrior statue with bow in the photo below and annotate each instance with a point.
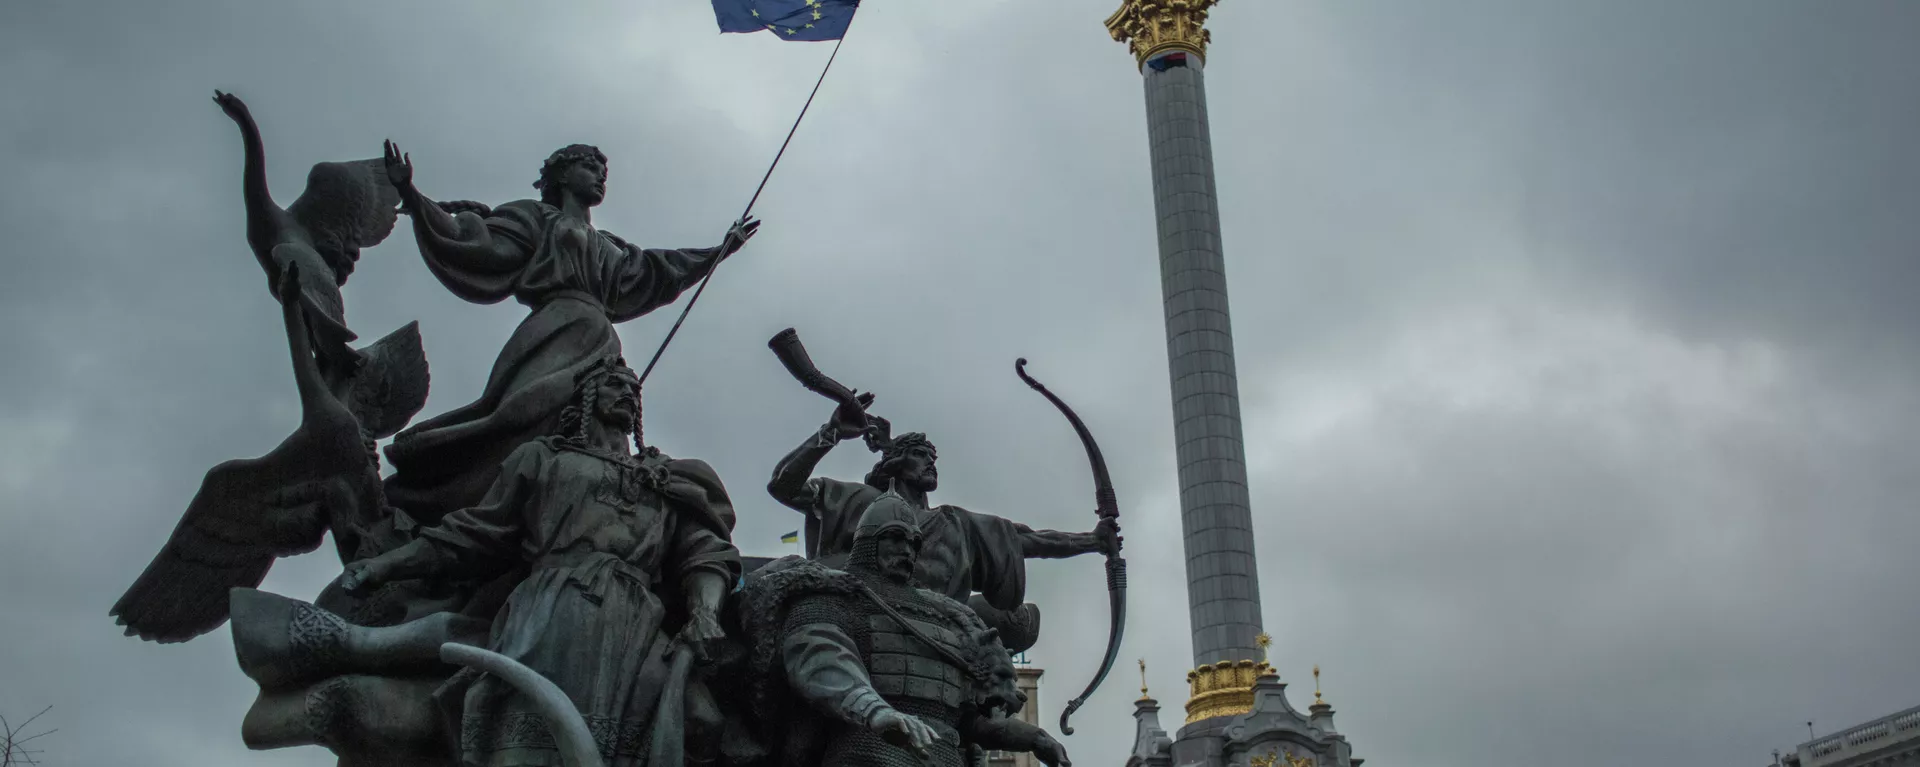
(963, 552)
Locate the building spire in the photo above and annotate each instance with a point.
(1143, 680)
(1320, 713)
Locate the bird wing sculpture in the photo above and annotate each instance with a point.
(348, 206)
(250, 512)
(391, 385)
(345, 207)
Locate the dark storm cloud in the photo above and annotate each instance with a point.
(1737, 168)
(1574, 338)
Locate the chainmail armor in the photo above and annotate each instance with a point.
(939, 688)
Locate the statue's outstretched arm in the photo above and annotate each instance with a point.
(425, 212)
(1053, 544)
(482, 539)
(477, 257)
(823, 667)
(438, 231)
(399, 166)
(419, 558)
(790, 484)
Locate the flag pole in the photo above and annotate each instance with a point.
(728, 242)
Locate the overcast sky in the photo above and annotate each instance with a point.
(1576, 339)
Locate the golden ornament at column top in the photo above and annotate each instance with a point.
(1149, 27)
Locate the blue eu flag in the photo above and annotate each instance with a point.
(811, 20)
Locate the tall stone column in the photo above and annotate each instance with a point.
(1169, 39)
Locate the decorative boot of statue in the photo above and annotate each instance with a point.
(285, 643)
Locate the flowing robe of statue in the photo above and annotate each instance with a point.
(602, 535)
(579, 281)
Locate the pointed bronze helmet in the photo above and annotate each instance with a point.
(887, 515)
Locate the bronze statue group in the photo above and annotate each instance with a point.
(594, 576)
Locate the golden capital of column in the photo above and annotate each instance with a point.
(1149, 27)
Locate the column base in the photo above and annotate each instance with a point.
(1223, 689)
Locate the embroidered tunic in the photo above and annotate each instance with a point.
(606, 539)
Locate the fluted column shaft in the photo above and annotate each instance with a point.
(1223, 589)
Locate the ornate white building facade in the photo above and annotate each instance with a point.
(1885, 742)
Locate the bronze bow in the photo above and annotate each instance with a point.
(1106, 507)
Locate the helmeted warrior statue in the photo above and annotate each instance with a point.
(861, 668)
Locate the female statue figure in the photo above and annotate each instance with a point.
(578, 281)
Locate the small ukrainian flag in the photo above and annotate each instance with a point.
(793, 537)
